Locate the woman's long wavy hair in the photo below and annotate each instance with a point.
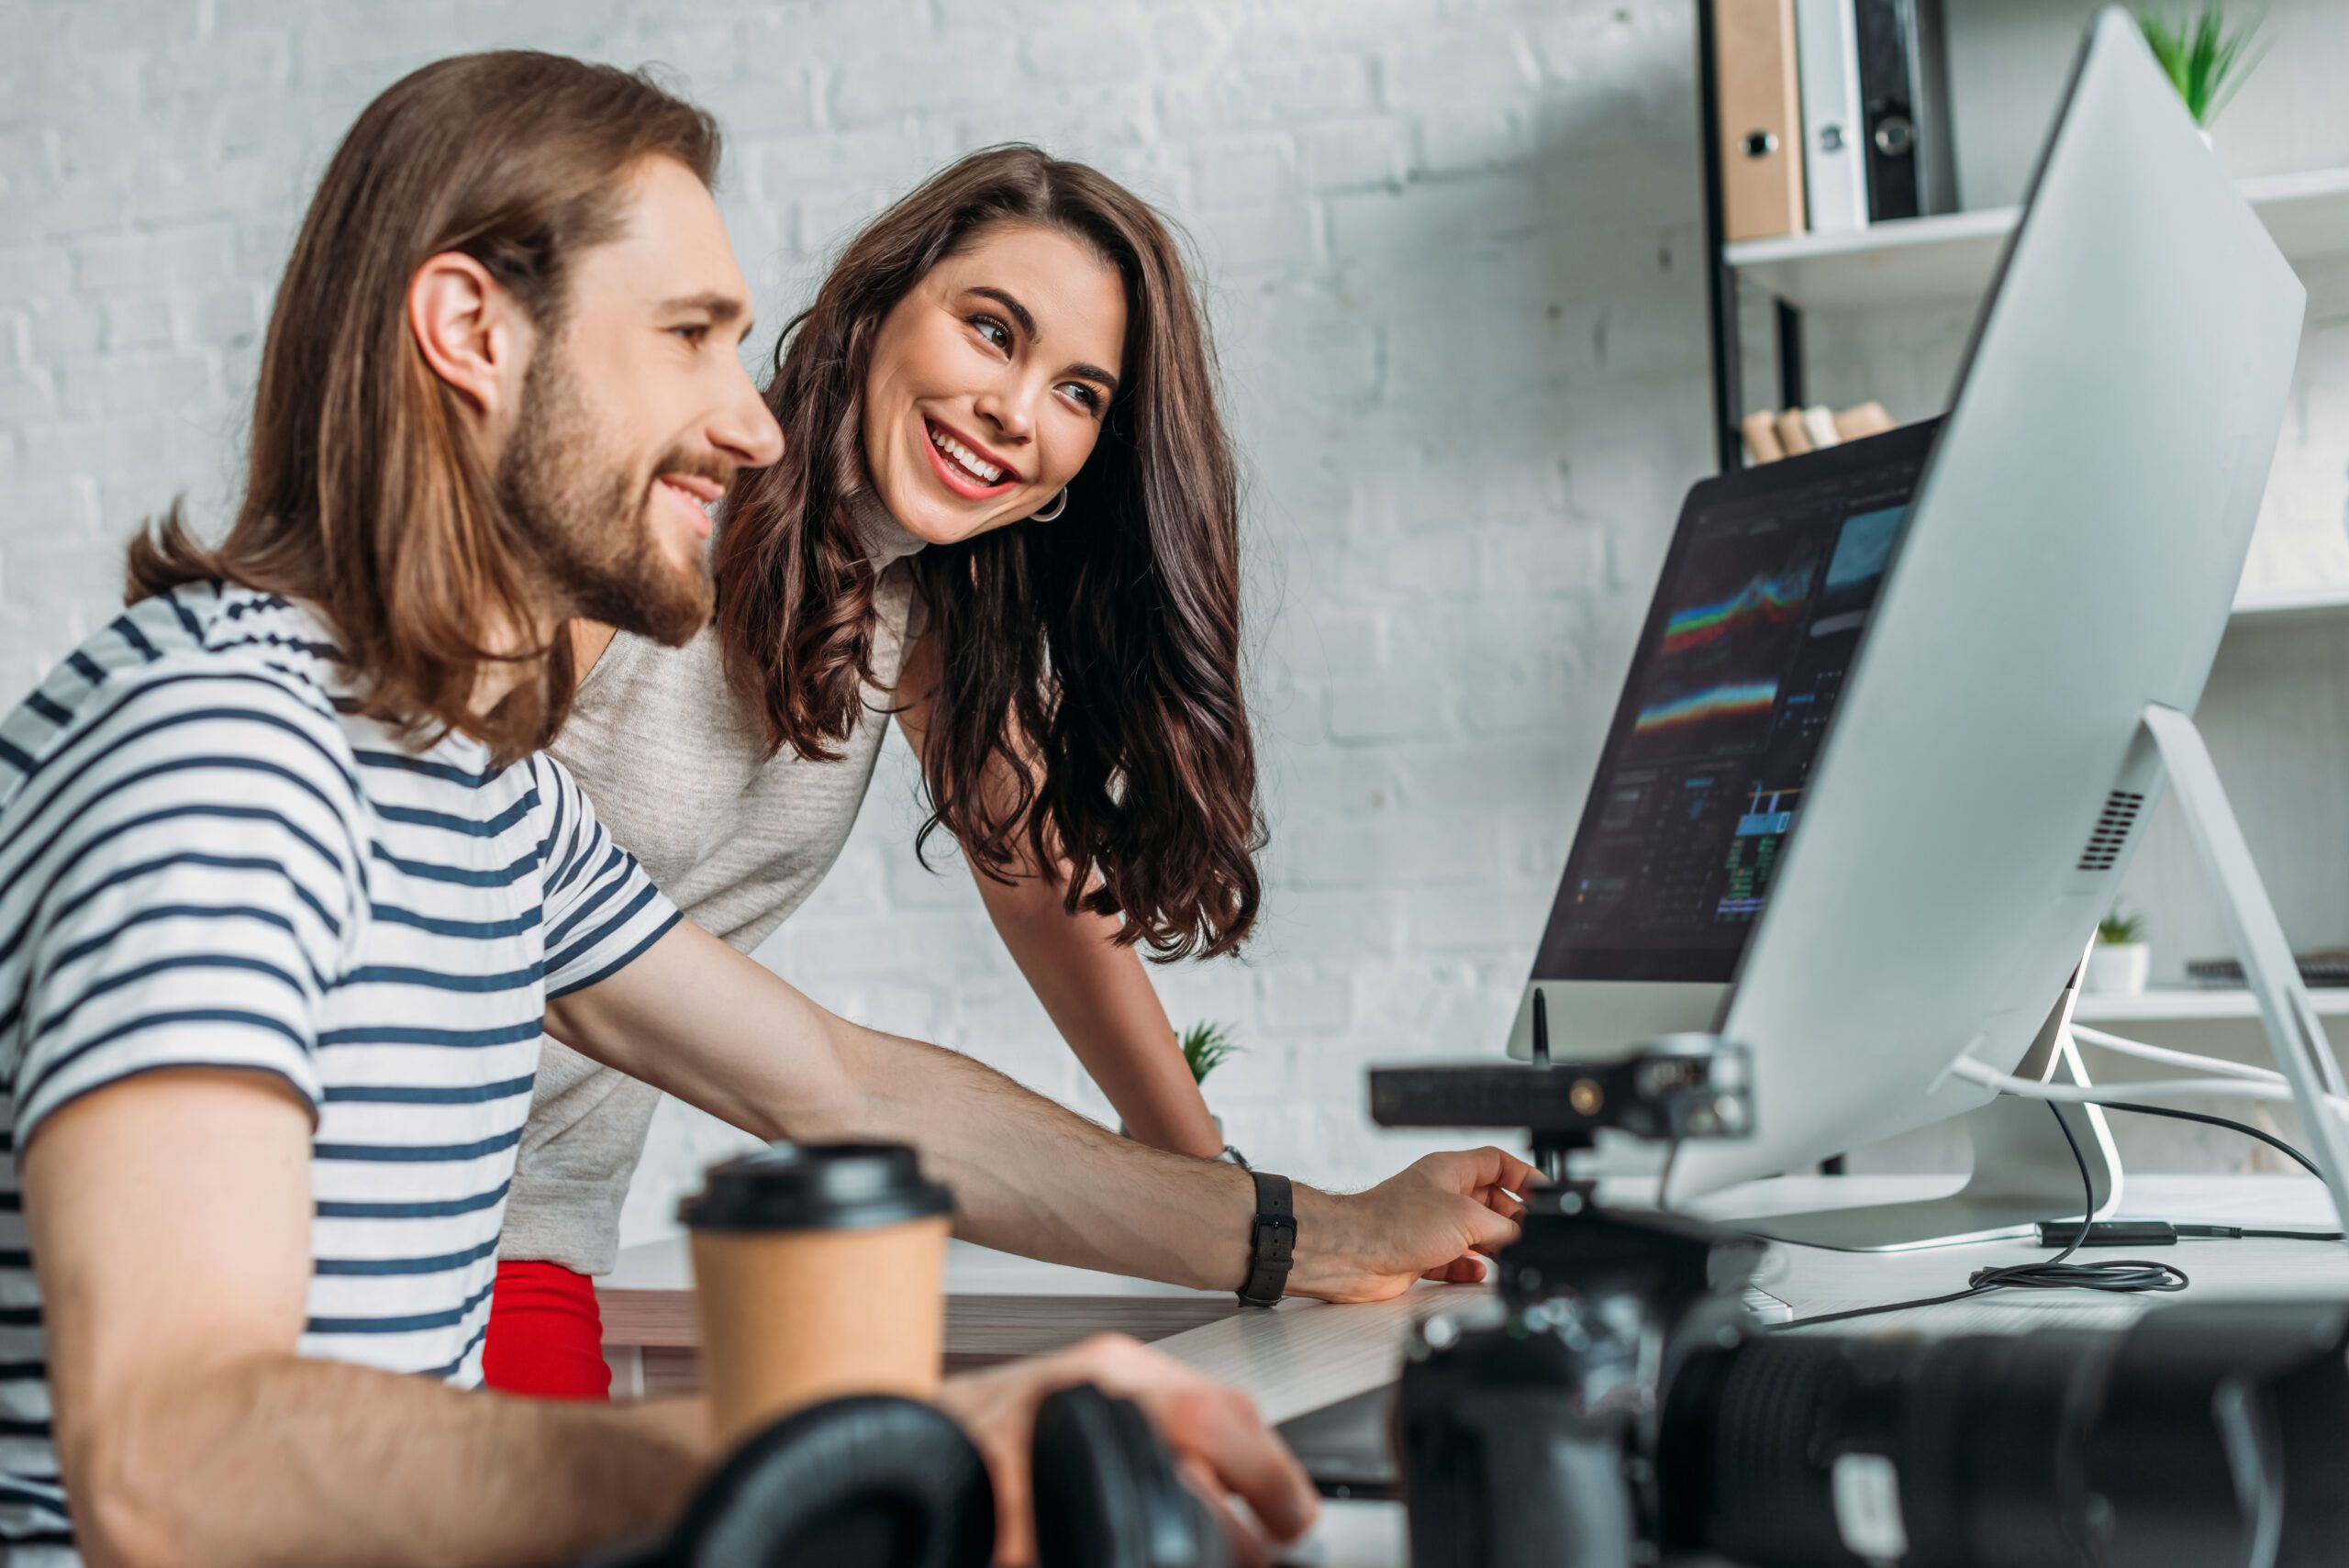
(1093, 660)
(364, 493)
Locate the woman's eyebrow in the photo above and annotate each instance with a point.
(1027, 320)
(1020, 312)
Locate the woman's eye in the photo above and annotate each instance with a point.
(993, 331)
(1086, 398)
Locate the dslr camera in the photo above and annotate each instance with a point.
(1615, 1405)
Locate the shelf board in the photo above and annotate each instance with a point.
(2270, 607)
(1948, 260)
(2194, 1006)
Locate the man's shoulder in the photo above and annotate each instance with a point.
(171, 678)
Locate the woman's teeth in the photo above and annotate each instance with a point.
(985, 473)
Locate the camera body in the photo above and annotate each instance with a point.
(1530, 1427)
(1531, 1430)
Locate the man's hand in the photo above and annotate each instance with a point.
(1436, 1220)
(1220, 1445)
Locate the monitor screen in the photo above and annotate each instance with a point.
(1758, 613)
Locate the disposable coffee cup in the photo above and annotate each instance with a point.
(819, 1270)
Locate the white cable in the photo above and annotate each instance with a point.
(2169, 1057)
(2159, 1089)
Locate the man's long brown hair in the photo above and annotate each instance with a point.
(364, 492)
(1094, 658)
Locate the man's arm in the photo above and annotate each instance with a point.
(717, 1030)
(1096, 992)
(169, 1215)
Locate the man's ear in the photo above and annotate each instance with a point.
(470, 329)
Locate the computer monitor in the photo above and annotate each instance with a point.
(1760, 609)
(2071, 556)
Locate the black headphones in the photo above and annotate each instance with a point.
(875, 1482)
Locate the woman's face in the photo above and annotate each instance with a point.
(989, 380)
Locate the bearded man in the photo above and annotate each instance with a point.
(287, 892)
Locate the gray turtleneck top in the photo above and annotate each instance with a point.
(679, 773)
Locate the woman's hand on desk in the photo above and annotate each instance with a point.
(1436, 1219)
(1219, 1442)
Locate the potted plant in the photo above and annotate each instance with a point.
(2206, 59)
(2119, 961)
(1207, 1047)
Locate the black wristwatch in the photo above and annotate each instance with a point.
(1272, 1241)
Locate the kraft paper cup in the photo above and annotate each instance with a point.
(819, 1271)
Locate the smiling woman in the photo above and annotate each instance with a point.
(977, 413)
(1006, 513)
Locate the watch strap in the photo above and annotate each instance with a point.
(1271, 1240)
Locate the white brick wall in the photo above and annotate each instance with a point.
(1450, 249)
(1452, 254)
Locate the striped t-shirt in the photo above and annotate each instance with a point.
(206, 858)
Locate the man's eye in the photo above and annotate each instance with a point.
(692, 335)
(993, 331)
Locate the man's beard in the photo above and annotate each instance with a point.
(591, 527)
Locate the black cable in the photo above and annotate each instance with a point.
(2126, 1275)
(1663, 1182)
(2242, 1126)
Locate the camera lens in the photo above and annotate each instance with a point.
(2203, 1435)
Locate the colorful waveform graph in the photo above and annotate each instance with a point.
(1740, 699)
(1773, 599)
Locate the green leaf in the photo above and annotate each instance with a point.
(1207, 1047)
(2206, 61)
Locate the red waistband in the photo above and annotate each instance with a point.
(546, 1335)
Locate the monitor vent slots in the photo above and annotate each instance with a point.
(2120, 814)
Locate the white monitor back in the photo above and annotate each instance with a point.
(2073, 553)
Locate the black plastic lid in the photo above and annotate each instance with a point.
(814, 1186)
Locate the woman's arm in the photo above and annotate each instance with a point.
(1101, 1001)
(1098, 994)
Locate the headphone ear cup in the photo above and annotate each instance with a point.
(1106, 1494)
(867, 1482)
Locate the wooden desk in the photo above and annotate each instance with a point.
(1302, 1355)
(998, 1306)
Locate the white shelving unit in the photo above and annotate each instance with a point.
(2182, 1006)
(2274, 606)
(1949, 259)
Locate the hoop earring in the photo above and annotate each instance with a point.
(1060, 504)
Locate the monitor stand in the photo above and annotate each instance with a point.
(2024, 1171)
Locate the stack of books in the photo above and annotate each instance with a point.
(1771, 434)
(1832, 114)
(2326, 967)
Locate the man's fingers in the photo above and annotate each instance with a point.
(1248, 1546)
(1509, 1170)
(1015, 1519)
(1254, 1463)
(1501, 1201)
(1468, 1269)
(1486, 1228)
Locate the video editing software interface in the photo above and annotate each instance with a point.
(1757, 619)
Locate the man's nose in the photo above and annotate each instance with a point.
(746, 429)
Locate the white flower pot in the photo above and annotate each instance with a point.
(2117, 969)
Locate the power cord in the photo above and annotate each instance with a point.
(2231, 1233)
(2054, 1274)
(2124, 1275)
